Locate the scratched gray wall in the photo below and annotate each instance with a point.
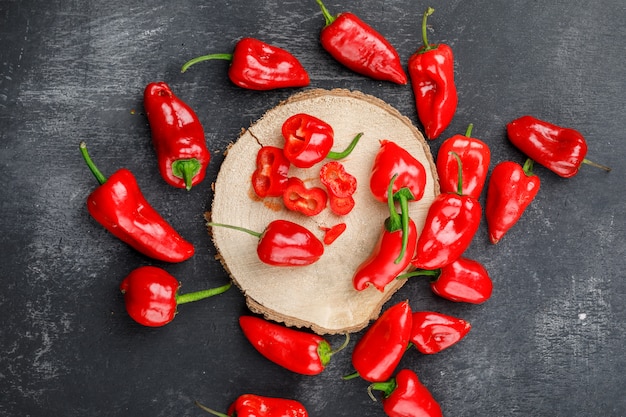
(550, 341)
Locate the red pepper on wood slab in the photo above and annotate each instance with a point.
(359, 47)
(151, 295)
(406, 396)
(296, 350)
(283, 243)
(177, 135)
(431, 69)
(475, 157)
(377, 354)
(252, 405)
(433, 332)
(120, 207)
(561, 150)
(340, 185)
(332, 233)
(511, 189)
(271, 174)
(256, 65)
(308, 201)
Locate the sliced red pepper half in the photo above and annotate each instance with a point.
(308, 201)
(271, 175)
(341, 205)
(337, 180)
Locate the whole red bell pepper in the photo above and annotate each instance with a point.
(377, 354)
(390, 256)
(406, 396)
(433, 332)
(283, 243)
(252, 405)
(120, 207)
(151, 295)
(271, 174)
(475, 158)
(359, 47)
(308, 201)
(451, 223)
(561, 150)
(431, 69)
(511, 189)
(177, 136)
(256, 65)
(296, 350)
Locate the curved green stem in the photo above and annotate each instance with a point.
(420, 273)
(468, 132)
(596, 165)
(404, 195)
(348, 377)
(200, 295)
(343, 345)
(209, 410)
(347, 151)
(427, 46)
(394, 221)
(92, 167)
(241, 229)
(186, 169)
(528, 167)
(202, 58)
(386, 387)
(459, 187)
(329, 18)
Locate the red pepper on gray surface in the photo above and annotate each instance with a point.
(252, 405)
(406, 396)
(433, 332)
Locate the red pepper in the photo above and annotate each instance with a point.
(406, 396)
(433, 332)
(561, 150)
(360, 47)
(464, 280)
(252, 405)
(256, 65)
(151, 295)
(121, 208)
(295, 350)
(431, 69)
(271, 174)
(308, 201)
(475, 157)
(284, 243)
(391, 255)
(332, 233)
(341, 205)
(377, 354)
(340, 185)
(451, 223)
(177, 135)
(511, 189)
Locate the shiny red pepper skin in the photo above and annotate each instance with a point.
(359, 47)
(307, 140)
(390, 160)
(298, 351)
(177, 135)
(252, 405)
(561, 150)
(271, 174)
(406, 396)
(511, 189)
(332, 233)
(256, 65)
(120, 207)
(308, 201)
(431, 70)
(377, 354)
(464, 280)
(475, 156)
(433, 332)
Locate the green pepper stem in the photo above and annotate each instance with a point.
(386, 387)
(200, 295)
(347, 151)
(468, 132)
(394, 221)
(343, 345)
(420, 273)
(596, 165)
(92, 167)
(427, 46)
(202, 58)
(459, 189)
(241, 229)
(348, 377)
(186, 169)
(528, 167)
(209, 410)
(404, 195)
(329, 18)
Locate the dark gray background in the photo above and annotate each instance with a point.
(548, 343)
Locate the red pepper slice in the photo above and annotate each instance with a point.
(332, 233)
(405, 395)
(298, 351)
(377, 354)
(252, 405)
(308, 201)
(451, 223)
(177, 135)
(307, 139)
(337, 180)
(341, 205)
(431, 69)
(391, 160)
(256, 65)
(120, 207)
(561, 150)
(433, 332)
(511, 189)
(284, 243)
(151, 295)
(360, 47)
(271, 174)
(475, 157)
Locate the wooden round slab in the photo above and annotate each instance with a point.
(319, 296)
